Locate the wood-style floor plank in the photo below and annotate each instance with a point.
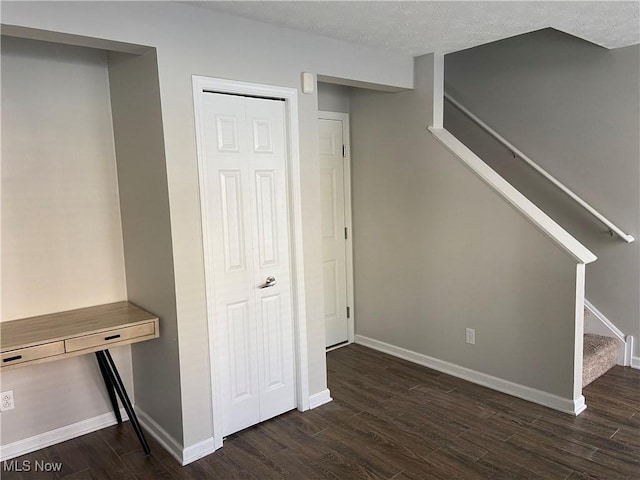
(391, 420)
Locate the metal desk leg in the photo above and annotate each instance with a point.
(116, 381)
(109, 386)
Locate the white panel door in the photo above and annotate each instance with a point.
(267, 171)
(332, 201)
(247, 208)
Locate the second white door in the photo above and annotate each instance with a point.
(334, 233)
(246, 188)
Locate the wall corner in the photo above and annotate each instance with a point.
(438, 91)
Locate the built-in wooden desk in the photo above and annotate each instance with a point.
(55, 336)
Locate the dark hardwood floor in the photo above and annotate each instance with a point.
(393, 419)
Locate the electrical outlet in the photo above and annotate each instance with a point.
(6, 401)
(471, 336)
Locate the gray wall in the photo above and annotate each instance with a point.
(333, 98)
(574, 108)
(191, 40)
(61, 236)
(436, 250)
(146, 228)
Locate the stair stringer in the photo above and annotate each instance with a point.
(596, 322)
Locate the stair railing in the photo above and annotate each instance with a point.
(613, 229)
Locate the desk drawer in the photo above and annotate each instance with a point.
(21, 355)
(109, 337)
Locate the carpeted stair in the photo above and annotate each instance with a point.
(599, 356)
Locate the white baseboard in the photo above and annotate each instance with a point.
(201, 449)
(160, 434)
(566, 405)
(635, 362)
(579, 405)
(320, 398)
(62, 434)
(197, 451)
(183, 455)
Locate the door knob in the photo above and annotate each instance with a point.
(269, 282)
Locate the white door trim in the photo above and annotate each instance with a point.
(290, 95)
(346, 139)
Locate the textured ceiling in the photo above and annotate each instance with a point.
(420, 27)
